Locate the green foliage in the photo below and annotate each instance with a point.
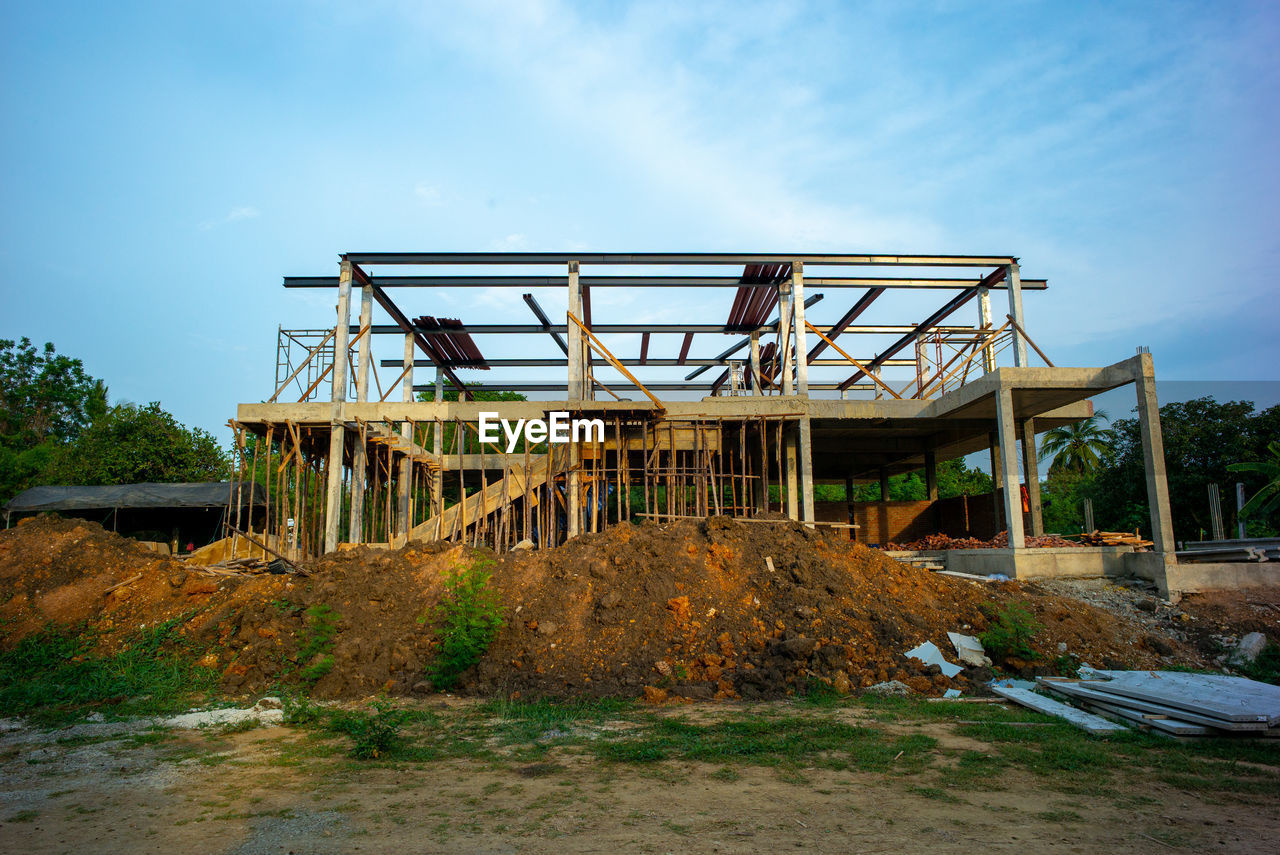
(131, 444)
(1266, 668)
(1267, 499)
(46, 400)
(1080, 446)
(55, 675)
(1009, 633)
(315, 642)
(1202, 438)
(374, 734)
(468, 617)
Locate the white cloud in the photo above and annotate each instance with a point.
(243, 212)
(428, 194)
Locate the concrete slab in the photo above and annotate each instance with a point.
(1088, 722)
(1232, 699)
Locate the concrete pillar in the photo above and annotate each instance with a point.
(984, 322)
(1013, 280)
(997, 478)
(805, 437)
(333, 486)
(1009, 472)
(405, 491)
(757, 387)
(577, 392)
(931, 475)
(1031, 474)
(359, 460)
(884, 484)
(1153, 457)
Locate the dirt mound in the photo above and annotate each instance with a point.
(690, 609)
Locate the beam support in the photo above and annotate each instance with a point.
(1031, 474)
(1153, 457)
(359, 459)
(1014, 283)
(1009, 472)
(786, 318)
(756, 385)
(577, 392)
(997, 478)
(805, 437)
(333, 485)
(884, 484)
(984, 323)
(437, 447)
(405, 493)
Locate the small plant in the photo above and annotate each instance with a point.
(1009, 634)
(1266, 668)
(375, 734)
(300, 710)
(468, 618)
(315, 650)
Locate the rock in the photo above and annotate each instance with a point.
(546, 627)
(421, 688)
(840, 682)
(178, 578)
(679, 606)
(1248, 649)
(611, 599)
(892, 687)
(1147, 604)
(654, 695)
(663, 667)
(794, 648)
(269, 703)
(524, 544)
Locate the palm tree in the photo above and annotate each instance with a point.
(1267, 499)
(1079, 446)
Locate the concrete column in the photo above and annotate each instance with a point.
(405, 493)
(333, 486)
(1153, 457)
(805, 437)
(757, 387)
(1013, 280)
(359, 460)
(577, 392)
(884, 484)
(984, 321)
(1009, 472)
(1031, 474)
(931, 475)
(790, 456)
(997, 478)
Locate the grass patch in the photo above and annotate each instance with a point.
(56, 676)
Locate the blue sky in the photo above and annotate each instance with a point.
(165, 164)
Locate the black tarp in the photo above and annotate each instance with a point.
(212, 494)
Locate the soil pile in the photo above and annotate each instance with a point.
(690, 609)
(1000, 541)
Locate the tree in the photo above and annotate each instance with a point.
(46, 400)
(1267, 499)
(131, 444)
(1202, 438)
(1079, 446)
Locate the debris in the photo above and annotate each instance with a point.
(1231, 699)
(969, 650)
(951, 693)
(929, 654)
(265, 711)
(889, 687)
(1248, 649)
(1087, 722)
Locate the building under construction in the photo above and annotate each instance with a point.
(357, 453)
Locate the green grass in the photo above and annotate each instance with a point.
(55, 676)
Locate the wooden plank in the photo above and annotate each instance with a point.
(1088, 722)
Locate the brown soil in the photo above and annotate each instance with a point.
(1000, 541)
(685, 609)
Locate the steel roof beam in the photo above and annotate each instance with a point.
(649, 282)
(664, 258)
(546, 323)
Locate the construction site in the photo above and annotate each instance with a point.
(748, 432)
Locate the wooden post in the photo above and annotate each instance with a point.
(359, 458)
(406, 431)
(333, 489)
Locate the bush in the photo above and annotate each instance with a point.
(1009, 634)
(375, 734)
(468, 617)
(1266, 668)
